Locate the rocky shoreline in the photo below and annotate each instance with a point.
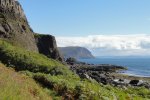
(108, 74)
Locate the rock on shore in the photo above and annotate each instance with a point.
(105, 74)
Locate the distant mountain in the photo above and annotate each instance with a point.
(75, 52)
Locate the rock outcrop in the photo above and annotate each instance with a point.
(15, 29)
(105, 74)
(75, 52)
(12, 6)
(14, 26)
(47, 46)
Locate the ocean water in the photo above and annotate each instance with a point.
(137, 66)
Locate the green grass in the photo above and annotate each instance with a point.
(59, 81)
(37, 35)
(75, 88)
(14, 86)
(22, 59)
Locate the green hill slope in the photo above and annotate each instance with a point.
(22, 59)
(14, 86)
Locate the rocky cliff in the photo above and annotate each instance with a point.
(47, 46)
(75, 52)
(14, 26)
(15, 29)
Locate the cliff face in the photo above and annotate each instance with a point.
(47, 46)
(75, 52)
(15, 29)
(14, 26)
(12, 6)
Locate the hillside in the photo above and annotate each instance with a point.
(75, 52)
(15, 86)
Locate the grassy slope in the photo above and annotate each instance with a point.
(22, 59)
(56, 77)
(14, 86)
(87, 90)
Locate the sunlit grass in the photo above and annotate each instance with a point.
(14, 86)
(22, 59)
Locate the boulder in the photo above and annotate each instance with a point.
(136, 82)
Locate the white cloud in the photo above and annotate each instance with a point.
(108, 45)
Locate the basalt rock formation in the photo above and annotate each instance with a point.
(14, 26)
(47, 46)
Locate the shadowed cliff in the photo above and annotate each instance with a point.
(47, 46)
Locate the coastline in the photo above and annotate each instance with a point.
(130, 77)
(134, 75)
(108, 74)
(137, 67)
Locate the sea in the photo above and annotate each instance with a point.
(137, 66)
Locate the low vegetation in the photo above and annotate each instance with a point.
(75, 88)
(22, 59)
(15, 86)
(59, 81)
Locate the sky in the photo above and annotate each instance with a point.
(105, 27)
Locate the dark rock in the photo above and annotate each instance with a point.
(134, 82)
(47, 46)
(121, 80)
(104, 81)
(102, 74)
(6, 27)
(71, 61)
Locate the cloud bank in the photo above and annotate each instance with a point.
(110, 45)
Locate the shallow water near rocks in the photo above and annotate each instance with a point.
(137, 66)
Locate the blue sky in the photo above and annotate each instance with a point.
(86, 17)
(105, 27)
